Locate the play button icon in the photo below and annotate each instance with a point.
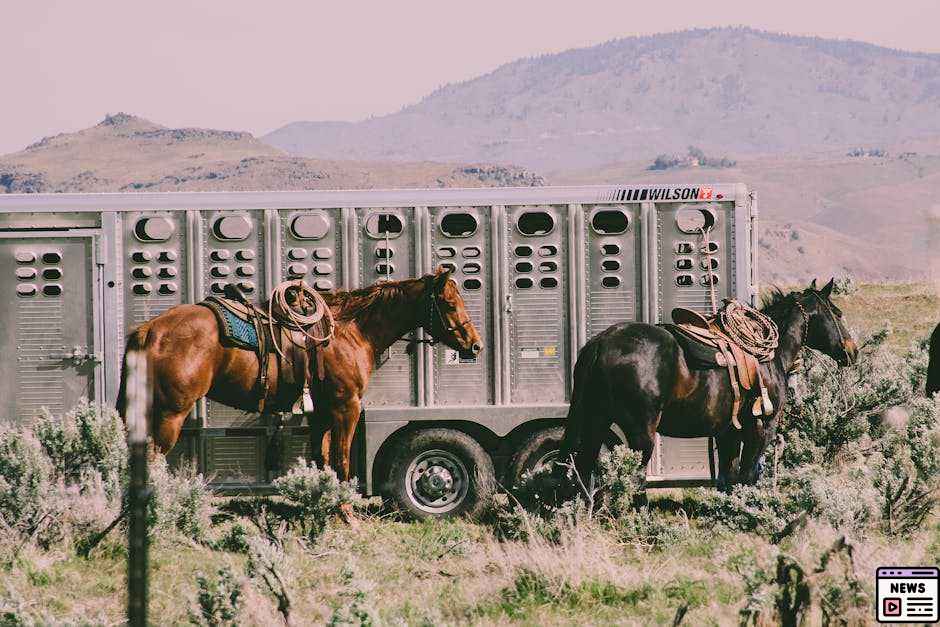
(891, 606)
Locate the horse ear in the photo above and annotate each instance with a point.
(812, 285)
(827, 289)
(440, 277)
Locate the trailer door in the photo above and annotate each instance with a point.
(48, 330)
(537, 303)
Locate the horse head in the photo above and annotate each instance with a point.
(824, 328)
(446, 317)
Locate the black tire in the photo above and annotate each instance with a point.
(539, 448)
(440, 473)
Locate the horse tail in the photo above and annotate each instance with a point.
(136, 341)
(587, 399)
(933, 365)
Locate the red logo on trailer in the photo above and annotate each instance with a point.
(705, 193)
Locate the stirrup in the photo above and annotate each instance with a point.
(303, 404)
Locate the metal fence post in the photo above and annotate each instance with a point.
(139, 490)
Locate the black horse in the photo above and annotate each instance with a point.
(636, 375)
(933, 366)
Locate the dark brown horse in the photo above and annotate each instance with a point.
(933, 366)
(636, 375)
(186, 361)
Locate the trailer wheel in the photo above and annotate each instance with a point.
(539, 449)
(441, 473)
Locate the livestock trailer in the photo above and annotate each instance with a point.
(541, 269)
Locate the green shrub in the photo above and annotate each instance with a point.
(181, 502)
(26, 480)
(317, 495)
(86, 438)
(218, 601)
(621, 476)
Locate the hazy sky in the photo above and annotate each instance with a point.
(252, 65)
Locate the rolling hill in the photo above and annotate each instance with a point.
(127, 153)
(733, 91)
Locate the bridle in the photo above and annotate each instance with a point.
(433, 320)
(832, 317)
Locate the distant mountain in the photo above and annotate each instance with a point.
(729, 91)
(128, 153)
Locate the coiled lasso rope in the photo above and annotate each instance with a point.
(301, 321)
(749, 329)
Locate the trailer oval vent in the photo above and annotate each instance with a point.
(548, 266)
(458, 225)
(523, 266)
(52, 289)
(684, 280)
(610, 222)
(446, 252)
(383, 252)
(310, 226)
(51, 258)
(384, 269)
(449, 267)
(548, 282)
(709, 279)
(52, 274)
(611, 281)
(610, 249)
(714, 264)
(524, 282)
(533, 223)
(232, 228)
(471, 268)
(683, 263)
(384, 225)
(523, 251)
(471, 252)
(153, 229)
(695, 220)
(610, 265)
(472, 284)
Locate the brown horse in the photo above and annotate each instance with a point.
(186, 360)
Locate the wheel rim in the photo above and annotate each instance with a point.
(437, 481)
(546, 460)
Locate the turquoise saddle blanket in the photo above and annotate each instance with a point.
(234, 330)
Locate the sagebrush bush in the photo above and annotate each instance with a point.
(63, 479)
(834, 409)
(181, 502)
(218, 601)
(620, 477)
(317, 495)
(87, 438)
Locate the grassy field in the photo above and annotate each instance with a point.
(670, 566)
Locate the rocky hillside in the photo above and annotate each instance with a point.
(127, 153)
(730, 91)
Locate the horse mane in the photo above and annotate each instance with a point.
(355, 303)
(775, 299)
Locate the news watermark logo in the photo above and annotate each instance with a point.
(907, 594)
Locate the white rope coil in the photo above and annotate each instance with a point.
(303, 322)
(749, 329)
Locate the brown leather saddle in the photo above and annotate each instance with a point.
(246, 326)
(707, 346)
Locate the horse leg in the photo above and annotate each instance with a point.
(755, 441)
(319, 424)
(640, 429)
(166, 429)
(344, 418)
(729, 445)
